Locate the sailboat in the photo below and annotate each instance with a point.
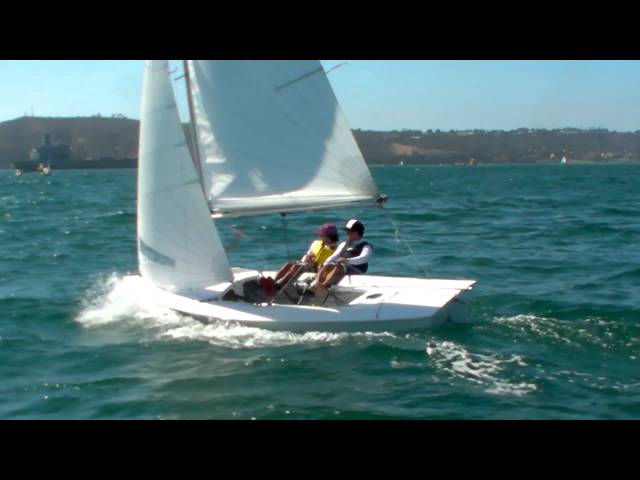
(44, 169)
(268, 138)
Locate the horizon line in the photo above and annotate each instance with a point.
(117, 116)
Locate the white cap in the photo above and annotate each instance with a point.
(356, 225)
(351, 223)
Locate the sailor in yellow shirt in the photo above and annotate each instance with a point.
(315, 257)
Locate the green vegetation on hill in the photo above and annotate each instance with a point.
(117, 137)
(516, 146)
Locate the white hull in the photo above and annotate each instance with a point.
(366, 303)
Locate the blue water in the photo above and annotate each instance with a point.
(556, 310)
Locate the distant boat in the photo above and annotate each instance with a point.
(45, 170)
(564, 160)
(49, 156)
(401, 163)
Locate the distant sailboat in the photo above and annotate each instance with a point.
(564, 160)
(44, 170)
(270, 138)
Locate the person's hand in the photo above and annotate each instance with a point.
(342, 261)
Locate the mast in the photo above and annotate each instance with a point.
(195, 149)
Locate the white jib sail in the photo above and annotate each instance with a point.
(272, 138)
(178, 246)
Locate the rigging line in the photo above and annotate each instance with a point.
(336, 67)
(296, 80)
(400, 239)
(307, 75)
(286, 238)
(239, 236)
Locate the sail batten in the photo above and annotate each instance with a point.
(271, 130)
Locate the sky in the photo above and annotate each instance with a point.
(374, 94)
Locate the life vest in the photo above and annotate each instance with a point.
(321, 251)
(355, 251)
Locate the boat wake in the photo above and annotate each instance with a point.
(586, 332)
(112, 302)
(486, 370)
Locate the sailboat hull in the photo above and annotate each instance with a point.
(370, 303)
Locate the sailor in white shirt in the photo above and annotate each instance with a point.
(351, 258)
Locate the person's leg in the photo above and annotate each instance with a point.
(331, 275)
(294, 272)
(284, 270)
(334, 276)
(321, 276)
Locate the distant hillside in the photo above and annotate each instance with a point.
(88, 137)
(516, 146)
(97, 137)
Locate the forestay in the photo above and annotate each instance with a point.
(178, 246)
(272, 138)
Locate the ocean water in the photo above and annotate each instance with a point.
(556, 332)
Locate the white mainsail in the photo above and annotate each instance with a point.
(272, 138)
(178, 246)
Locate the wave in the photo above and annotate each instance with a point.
(588, 331)
(484, 370)
(631, 274)
(111, 302)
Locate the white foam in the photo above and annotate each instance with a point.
(113, 301)
(480, 369)
(595, 331)
(238, 336)
(399, 365)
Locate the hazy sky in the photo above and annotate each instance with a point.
(380, 95)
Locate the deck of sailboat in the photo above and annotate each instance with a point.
(370, 303)
(358, 303)
(351, 291)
